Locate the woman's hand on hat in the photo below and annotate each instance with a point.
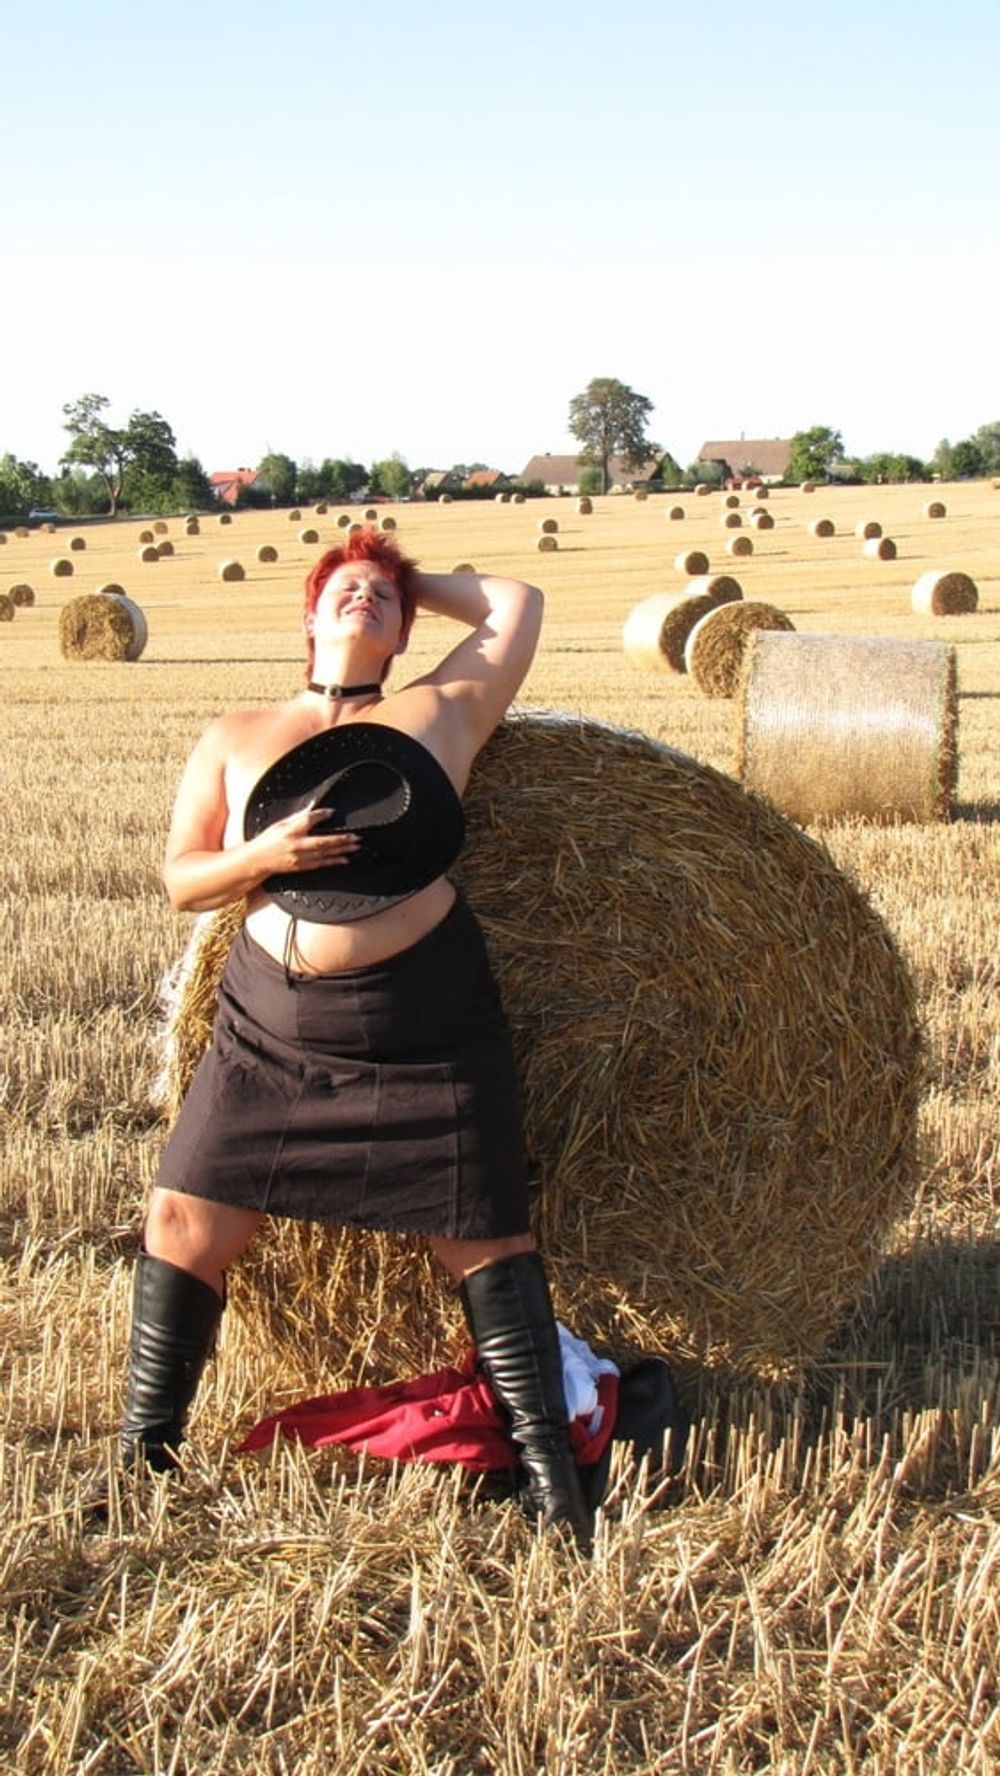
(292, 844)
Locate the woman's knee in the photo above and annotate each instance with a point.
(199, 1236)
(460, 1257)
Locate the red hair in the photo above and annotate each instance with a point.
(385, 554)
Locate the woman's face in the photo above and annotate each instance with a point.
(358, 600)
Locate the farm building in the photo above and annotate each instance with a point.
(227, 484)
(739, 457)
(561, 474)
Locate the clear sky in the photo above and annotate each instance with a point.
(335, 229)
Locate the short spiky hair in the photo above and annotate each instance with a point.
(384, 553)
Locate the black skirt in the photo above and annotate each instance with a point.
(381, 1097)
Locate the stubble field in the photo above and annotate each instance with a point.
(819, 1592)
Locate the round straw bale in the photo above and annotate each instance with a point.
(867, 527)
(762, 521)
(837, 725)
(641, 493)
(702, 488)
(21, 530)
(445, 499)
(822, 527)
(343, 520)
(111, 590)
(164, 547)
(731, 521)
(808, 487)
(585, 507)
(192, 528)
(740, 545)
(691, 561)
(161, 527)
(149, 552)
(547, 543)
(714, 650)
(61, 567)
(98, 627)
(146, 536)
(548, 526)
(7, 608)
(21, 594)
(388, 522)
(231, 570)
(943, 594)
(3, 538)
(463, 567)
(77, 543)
(719, 1057)
(656, 630)
(371, 515)
(49, 529)
(267, 552)
(935, 509)
(295, 516)
(225, 517)
(879, 548)
(354, 526)
(309, 536)
(675, 512)
(761, 491)
(321, 509)
(731, 501)
(517, 499)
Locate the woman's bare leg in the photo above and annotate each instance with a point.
(461, 1257)
(201, 1237)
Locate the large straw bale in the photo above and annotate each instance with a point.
(77, 543)
(267, 552)
(21, 594)
(657, 629)
(231, 571)
(61, 567)
(880, 548)
(849, 725)
(867, 527)
(739, 545)
(935, 509)
(940, 593)
(97, 626)
(822, 527)
(714, 650)
(718, 1051)
(7, 608)
(691, 561)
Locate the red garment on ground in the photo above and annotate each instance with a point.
(449, 1416)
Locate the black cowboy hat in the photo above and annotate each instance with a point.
(377, 782)
(649, 1407)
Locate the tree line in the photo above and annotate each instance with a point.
(107, 468)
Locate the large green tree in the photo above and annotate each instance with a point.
(278, 474)
(609, 419)
(813, 452)
(391, 476)
(22, 485)
(145, 447)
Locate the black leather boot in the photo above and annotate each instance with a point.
(509, 1310)
(175, 1317)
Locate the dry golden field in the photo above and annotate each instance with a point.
(820, 1592)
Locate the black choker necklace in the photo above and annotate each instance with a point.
(336, 692)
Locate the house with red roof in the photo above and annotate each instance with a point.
(227, 483)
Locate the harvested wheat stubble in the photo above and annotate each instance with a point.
(691, 561)
(656, 630)
(308, 536)
(942, 594)
(61, 567)
(879, 548)
(7, 608)
(740, 545)
(822, 527)
(718, 1050)
(714, 650)
(21, 594)
(547, 543)
(867, 527)
(267, 552)
(231, 571)
(99, 626)
(831, 726)
(935, 509)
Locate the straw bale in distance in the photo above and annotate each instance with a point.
(762, 521)
(739, 545)
(547, 543)
(164, 547)
(354, 526)
(389, 522)
(49, 529)
(149, 552)
(713, 653)
(161, 527)
(267, 552)
(146, 536)
(7, 608)
(731, 501)
(445, 500)
(585, 507)
(943, 594)
(719, 1056)
(61, 567)
(463, 567)
(517, 499)
(295, 516)
(371, 515)
(21, 530)
(343, 520)
(225, 517)
(3, 538)
(192, 528)
(702, 488)
(731, 521)
(641, 493)
(231, 571)
(656, 630)
(880, 548)
(761, 492)
(935, 509)
(309, 536)
(849, 725)
(822, 527)
(96, 627)
(321, 509)
(22, 593)
(111, 590)
(808, 487)
(691, 561)
(867, 527)
(77, 543)
(674, 513)
(548, 526)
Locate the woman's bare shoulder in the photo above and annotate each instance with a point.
(237, 731)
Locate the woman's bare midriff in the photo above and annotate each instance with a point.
(330, 949)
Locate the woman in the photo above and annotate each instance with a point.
(360, 1071)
